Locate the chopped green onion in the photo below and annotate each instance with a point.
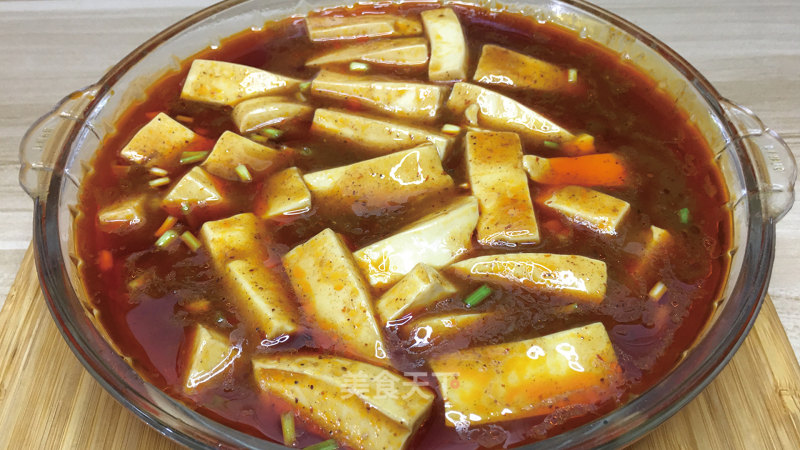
(184, 119)
(243, 173)
(287, 425)
(188, 238)
(572, 75)
(451, 129)
(158, 171)
(306, 151)
(478, 296)
(657, 291)
(683, 215)
(159, 182)
(271, 133)
(193, 157)
(550, 144)
(356, 66)
(259, 138)
(305, 86)
(330, 444)
(166, 238)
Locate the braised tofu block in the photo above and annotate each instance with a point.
(596, 210)
(401, 99)
(528, 378)
(275, 112)
(403, 52)
(124, 216)
(437, 239)
(499, 182)
(226, 84)
(232, 238)
(210, 355)
(600, 169)
(374, 137)
(197, 190)
(159, 143)
(232, 150)
(408, 408)
(500, 113)
(335, 297)
(397, 178)
(448, 46)
(577, 277)
(503, 67)
(330, 28)
(656, 246)
(437, 329)
(421, 287)
(284, 193)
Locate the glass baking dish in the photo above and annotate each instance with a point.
(758, 168)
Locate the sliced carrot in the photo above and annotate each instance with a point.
(583, 144)
(198, 306)
(169, 222)
(105, 260)
(601, 169)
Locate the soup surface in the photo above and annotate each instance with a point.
(399, 226)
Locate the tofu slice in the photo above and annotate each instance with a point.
(124, 216)
(226, 84)
(420, 288)
(499, 182)
(198, 190)
(236, 248)
(335, 297)
(527, 378)
(375, 137)
(329, 28)
(655, 250)
(437, 239)
(402, 52)
(429, 331)
(401, 402)
(283, 194)
(448, 46)
(231, 150)
(503, 67)
(159, 143)
(596, 210)
(210, 356)
(401, 99)
(500, 113)
(397, 178)
(578, 277)
(275, 112)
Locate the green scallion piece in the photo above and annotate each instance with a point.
(330, 444)
(550, 144)
(259, 138)
(158, 171)
(572, 75)
(305, 86)
(287, 426)
(193, 157)
(166, 238)
(188, 238)
(683, 215)
(356, 66)
(478, 296)
(451, 129)
(243, 173)
(159, 182)
(271, 133)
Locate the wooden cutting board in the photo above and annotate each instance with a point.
(48, 401)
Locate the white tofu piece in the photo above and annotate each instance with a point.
(429, 331)
(655, 250)
(401, 401)
(437, 239)
(124, 216)
(159, 143)
(397, 178)
(232, 150)
(233, 238)
(499, 182)
(226, 84)
(448, 46)
(578, 277)
(335, 297)
(275, 112)
(329, 28)
(420, 288)
(401, 99)
(527, 378)
(283, 194)
(210, 355)
(197, 189)
(375, 137)
(402, 52)
(500, 113)
(503, 67)
(596, 210)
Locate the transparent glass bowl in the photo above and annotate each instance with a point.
(758, 169)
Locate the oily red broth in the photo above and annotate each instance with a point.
(671, 169)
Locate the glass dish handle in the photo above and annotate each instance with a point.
(773, 160)
(41, 145)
